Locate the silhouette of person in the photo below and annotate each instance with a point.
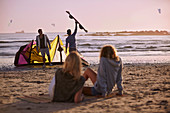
(71, 40)
(43, 42)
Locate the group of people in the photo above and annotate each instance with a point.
(68, 84)
(43, 44)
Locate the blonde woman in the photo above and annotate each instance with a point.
(108, 75)
(67, 84)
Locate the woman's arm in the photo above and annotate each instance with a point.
(78, 96)
(66, 45)
(52, 87)
(75, 31)
(119, 80)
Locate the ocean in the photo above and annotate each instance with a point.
(132, 49)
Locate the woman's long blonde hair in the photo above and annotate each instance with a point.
(72, 65)
(108, 51)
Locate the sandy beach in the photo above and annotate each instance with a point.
(146, 89)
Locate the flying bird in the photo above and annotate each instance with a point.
(53, 25)
(9, 22)
(159, 10)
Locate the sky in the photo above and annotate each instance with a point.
(94, 15)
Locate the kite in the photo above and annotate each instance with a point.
(28, 55)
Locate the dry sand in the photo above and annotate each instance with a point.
(146, 89)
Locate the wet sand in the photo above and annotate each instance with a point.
(146, 89)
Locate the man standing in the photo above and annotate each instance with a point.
(71, 40)
(42, 42)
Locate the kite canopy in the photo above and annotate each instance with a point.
(28, 54)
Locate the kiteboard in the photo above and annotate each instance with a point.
(72, 17)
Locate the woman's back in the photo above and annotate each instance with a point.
(66, 86)
(109, 73)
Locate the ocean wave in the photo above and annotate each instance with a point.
(91, 46)
(102, 40)
(88, 51)
(165, 46)
(10, 46)
(138, 43)
(145, 40)
(87, 44)
(14, 41)
(166, 42)
(6, 54)
(127, 47)
(151, 47)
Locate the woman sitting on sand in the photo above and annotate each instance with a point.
(67, 84)
(109, 73)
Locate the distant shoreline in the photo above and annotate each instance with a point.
(20, 31)
(128, 33)
(119, 33)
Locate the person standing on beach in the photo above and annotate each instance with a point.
(109, 73)
(43, 42)
(71, 40)
(67, 84)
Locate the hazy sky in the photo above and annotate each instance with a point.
(95, 15)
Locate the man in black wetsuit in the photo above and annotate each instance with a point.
(42, 42)
(71, 40)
